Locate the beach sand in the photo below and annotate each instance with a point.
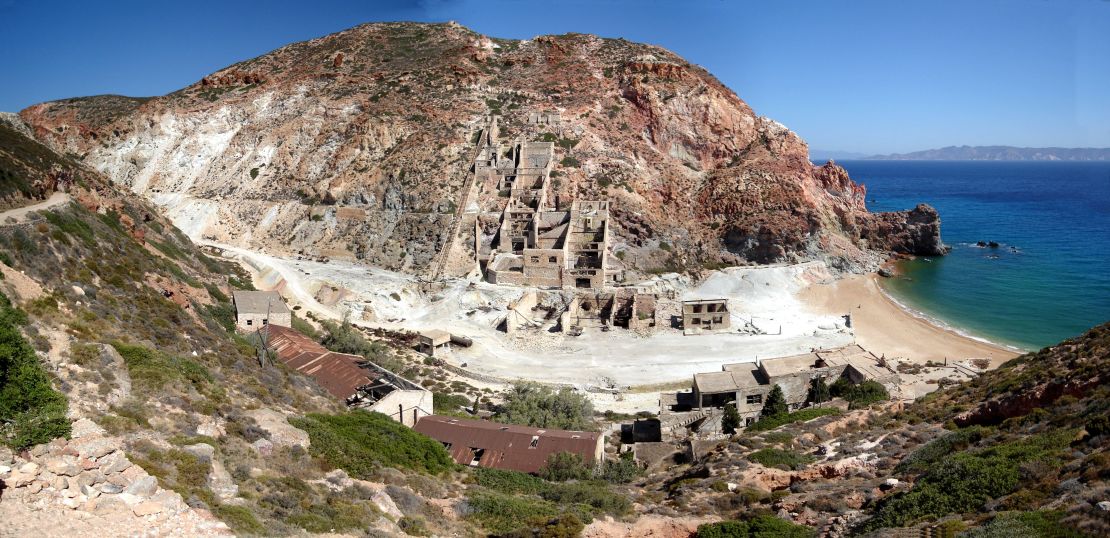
(885, 328)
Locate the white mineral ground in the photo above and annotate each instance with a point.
(803, 300)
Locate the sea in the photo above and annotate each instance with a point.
(1049, 277)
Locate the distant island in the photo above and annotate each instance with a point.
(998, 153)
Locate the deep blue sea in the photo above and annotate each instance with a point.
(1050, 277)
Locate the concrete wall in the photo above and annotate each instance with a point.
(405, 406)
(543, 267)
(248, 322)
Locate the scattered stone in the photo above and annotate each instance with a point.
(143, 487)
(1104, 506)
(263, 446)
(280, 431)
(147, 508)
(35, 487)
(94, 447)
(111, 488)
(29, 468)
(85, 428)
(203, 451)
(63, 466)
(60, 483)
(115, 462)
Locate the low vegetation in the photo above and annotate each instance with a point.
(859, 394)
(760, 526)
(774, 421)
(31, 411)
(360, 442)
(782, 459)
(539, 406)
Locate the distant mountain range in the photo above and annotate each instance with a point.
(998, 153)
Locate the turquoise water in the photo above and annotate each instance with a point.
(1050, 277)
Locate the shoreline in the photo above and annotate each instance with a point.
(885, 326)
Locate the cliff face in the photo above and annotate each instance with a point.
(356, 145)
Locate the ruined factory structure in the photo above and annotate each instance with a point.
(746, 384)
(540, 242)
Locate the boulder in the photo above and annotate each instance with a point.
(203, 451)
(86, 428)
(147, 508)
(1104, 506)
(280, 431)
(143, 487)
(264, 447)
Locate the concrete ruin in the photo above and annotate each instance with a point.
(705, 315)
(538, 242)
(257, 309)
(747, 384)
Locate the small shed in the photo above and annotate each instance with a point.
(257, 309)
(431, 340)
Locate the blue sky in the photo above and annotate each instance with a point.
(856, 76)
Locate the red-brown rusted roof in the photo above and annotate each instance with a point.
(506, 446)
(338, 373)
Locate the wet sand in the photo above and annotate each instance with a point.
(885, 328)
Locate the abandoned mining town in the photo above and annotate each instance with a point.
(528, 289)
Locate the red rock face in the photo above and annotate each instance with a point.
(382, 117)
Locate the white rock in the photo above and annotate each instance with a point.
(1104, 506)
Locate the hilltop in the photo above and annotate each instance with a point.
(355, 146)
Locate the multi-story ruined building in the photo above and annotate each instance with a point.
(540, 243)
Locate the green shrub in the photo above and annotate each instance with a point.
(500, 513)
(775, 404)
(819, 391)
(962, 482)
(31, 411)
(772, 422)
(938, 449)
(532, 404)
(621, 470)
(593, 494)
(504, 481)
(762, 526)
(360, 442)
(1042, 524)
(859, 395)
(304, 327)
(449, 404)
(783, 459)
(731, 419)
(240, 519)
(152, 370)
(563, 466)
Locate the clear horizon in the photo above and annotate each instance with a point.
(859, 77)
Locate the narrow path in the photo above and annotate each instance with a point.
(19, 214)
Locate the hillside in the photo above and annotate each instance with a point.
(1018, 451)
(999, 153)
(356, 146)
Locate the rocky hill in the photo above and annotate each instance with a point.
(356, 145)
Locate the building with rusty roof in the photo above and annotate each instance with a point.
(351, 378)
(481, 443)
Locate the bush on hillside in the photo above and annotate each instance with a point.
(772, 422)
(782, 459)
(31, 411)
(962, 482)
(563, 466)
(360, 442)
(861, 394)
(731, 419)
(763, 526)
(532, 404)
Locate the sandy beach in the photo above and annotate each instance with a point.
(885, 328)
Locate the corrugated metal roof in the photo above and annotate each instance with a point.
(257, 302)
(506, 446)
(337, 373)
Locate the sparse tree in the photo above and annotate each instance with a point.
(731, 420)
(775, 403)
(818, 391)
(532, 404)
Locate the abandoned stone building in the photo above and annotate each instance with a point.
(539, 242)
(747, 384)
(359, 383)
(705, 315)
(257, 309)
